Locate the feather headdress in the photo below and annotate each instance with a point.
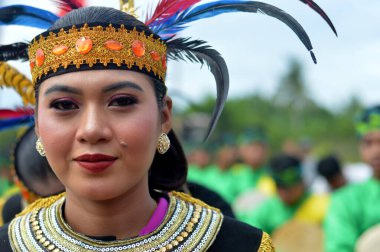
(172, 16)
(15, 118)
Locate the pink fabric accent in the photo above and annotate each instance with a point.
(157, 217)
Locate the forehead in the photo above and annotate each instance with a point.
(96, 79)
(372, 136)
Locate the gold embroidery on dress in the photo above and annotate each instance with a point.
(188, 198)
(41, 203)
(266, 243)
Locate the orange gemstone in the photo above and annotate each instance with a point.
(138, 48)
(83, 45)
(40, 57)
(163, 61)
(113, 45)
(155, 56)
(59, 50)
(32, 64)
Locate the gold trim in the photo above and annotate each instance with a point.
(41, 203)
(86, 46)
(266, 244)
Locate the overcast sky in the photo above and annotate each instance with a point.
(257, 49)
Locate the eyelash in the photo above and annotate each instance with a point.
(63, 105)
(67, 105)
(123, 101)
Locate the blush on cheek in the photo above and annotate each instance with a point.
(56, 138)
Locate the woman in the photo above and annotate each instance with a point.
(103, 120)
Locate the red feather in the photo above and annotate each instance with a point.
(167, 8)
(8, 114)
(66, 6)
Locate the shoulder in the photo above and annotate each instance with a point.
(210, 197)
(223, 233)
(352, 190)
(4, 240)
(238, 236)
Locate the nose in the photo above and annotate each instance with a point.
(94, 127)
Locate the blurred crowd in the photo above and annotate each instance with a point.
(306, 203)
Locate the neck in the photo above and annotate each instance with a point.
(122, 217)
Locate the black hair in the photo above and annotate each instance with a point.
(168, 171)
(30, 167)
(282, 162)
(285, 170)
(329, 166)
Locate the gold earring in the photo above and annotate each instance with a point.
(40, 148)
(163, 143)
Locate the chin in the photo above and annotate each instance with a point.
(98, 193)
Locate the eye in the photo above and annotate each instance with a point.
(123, 101)
(63, 105)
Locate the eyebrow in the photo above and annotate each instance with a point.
(121, 85)
(62, 88)
(110, 88)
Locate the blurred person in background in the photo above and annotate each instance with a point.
(330, 168)
(293, 202)
(219, 176)
(302, 149)
(200, 178)
(198, 165)
(355, 208)
(33, 176)
(252, 173)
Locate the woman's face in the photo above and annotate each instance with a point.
(99, 129)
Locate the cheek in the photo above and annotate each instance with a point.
(55, 134)
(140, 131)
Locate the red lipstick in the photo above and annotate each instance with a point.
(95, 163)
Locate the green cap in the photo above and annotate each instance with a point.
(254, 134)
(368, 121)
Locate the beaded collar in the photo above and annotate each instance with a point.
(189, 224)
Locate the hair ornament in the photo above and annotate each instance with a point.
(167, 20)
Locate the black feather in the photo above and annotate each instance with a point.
(319, 10)
(221, 7)
(27, 16)
(197, 51)
(14, 51)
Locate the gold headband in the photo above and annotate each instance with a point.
(86, 46)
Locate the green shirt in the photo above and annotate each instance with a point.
(353, 210)
(214, 179)
(273, 213)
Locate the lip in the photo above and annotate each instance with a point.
(95, 163)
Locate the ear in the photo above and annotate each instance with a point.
(166, 114)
